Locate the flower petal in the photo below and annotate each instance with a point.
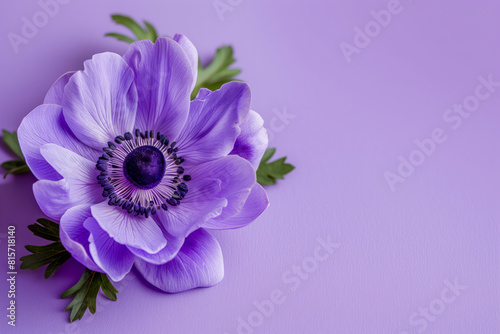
(237, 179)
(164, 77)
(55, 197)
(124, 228)
(74, 236)
(115, 259)
(56, 92)
(191, 52)
(46, 124)
(256, 203)
(199, 205)
(80, 175)
(166, 254)
(252, 141)
(79, 185)
(213, 123)
(100, 102)
(218, 190)
(52, 197)
(198, 264)
(203, 93)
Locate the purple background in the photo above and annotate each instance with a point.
(351, 122)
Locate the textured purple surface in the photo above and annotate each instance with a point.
(349, 123)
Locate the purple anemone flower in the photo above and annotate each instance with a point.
(136, 172)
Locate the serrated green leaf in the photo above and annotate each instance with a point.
(57, 254)
(8, 165)
(107, 287)
(225, 75)
(217, 85)
(74, 289)
(217, 73)
(50, 248)
(149, 32)
(44, 232)
(10, 139)
(268, 154)
(120, 37)
(129, 23)
(15, 167)
(84, 296)
(268, 173)
(85, 293)
(18, 170)
(53, 254)
(51, 226)
(52, 268)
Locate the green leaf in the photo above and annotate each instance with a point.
(75, 288)
(45, 229)
(128, 22)
(53, 254)
(217, 73)
(11, 164)
(10, 139)
(43, 255)
(120, 37)
(85, 293)
(216, 85)
(53, 266)
(21, 169)
(14, 166)
(149, 32)
(268, 173)
(51, 226)
(268, 154)
(108, 288)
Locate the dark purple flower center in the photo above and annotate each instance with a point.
(144, 167)
(141, 173)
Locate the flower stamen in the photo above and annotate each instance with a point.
(141, 173)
